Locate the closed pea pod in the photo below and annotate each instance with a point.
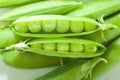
(76, 70)
(62, 47)
(43, 7)
(8, 3)
(97, 8)
(28, 60)
(56, 26)
(7, 37)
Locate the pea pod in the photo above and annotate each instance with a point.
(22, 59)
(77, 70)
(62, 47)
(112, 55)
(7, 37)
(8, 3)
(44, 7)
(97, 8)
(54, 26)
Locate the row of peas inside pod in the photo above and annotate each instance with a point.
(49, 31)
(52, 40)
(44, 26)
(55, 26)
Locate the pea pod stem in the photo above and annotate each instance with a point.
(108, 34)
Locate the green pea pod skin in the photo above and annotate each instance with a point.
(9, 3)
(44, 7)
(7, 37)
(97, 8)
(58, 48)
(115, 19)
(77, 70)
(54, 33)
(28, 60)
(112, 55)
(108, 34)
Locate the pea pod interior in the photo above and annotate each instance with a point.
(54, 26)
(65, 47)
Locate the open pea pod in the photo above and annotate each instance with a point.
(55, 26)
(62, 47)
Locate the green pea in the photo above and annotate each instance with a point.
(49, 25)
(77, 26)
(90, 48)
(38, 46)
(76, 47)
(89, 26)
(62, 26)
(34, 26)
(21, 27)
(49, 46)
(64, 47)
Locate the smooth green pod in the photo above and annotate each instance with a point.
(43, 7)
(97, 8)
(60, 47)
(76, 70)
(23, 59)
(7, 37)
(112, 55)
(57, 26)
(9, 3)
